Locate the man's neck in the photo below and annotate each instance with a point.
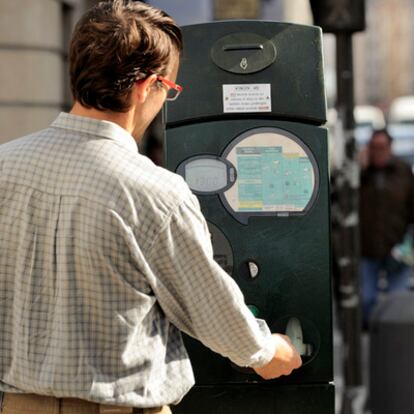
(124, 119)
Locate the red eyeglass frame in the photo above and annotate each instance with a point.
(170, 85)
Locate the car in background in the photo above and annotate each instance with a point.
(401, 127)
(367, 119)
(403, 141)
(402, 110)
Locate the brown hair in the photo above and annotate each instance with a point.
(115, 44)
(383, 131)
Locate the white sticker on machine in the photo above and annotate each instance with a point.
(254, 97)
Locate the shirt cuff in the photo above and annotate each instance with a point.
(265, 355)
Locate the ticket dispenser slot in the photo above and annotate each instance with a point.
(295, 332)
(247, 137)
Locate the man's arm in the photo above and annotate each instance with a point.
(202, 300)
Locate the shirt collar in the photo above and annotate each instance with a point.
(97, 127)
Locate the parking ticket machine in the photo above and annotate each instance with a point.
(246, 136)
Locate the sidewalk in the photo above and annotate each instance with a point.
(359, 402)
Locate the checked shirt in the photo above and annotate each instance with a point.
(104, 259)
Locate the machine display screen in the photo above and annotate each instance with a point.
(206, 174)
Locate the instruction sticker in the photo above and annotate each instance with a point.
(275, 173)
(255, 97)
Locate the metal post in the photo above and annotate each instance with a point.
(347, 216)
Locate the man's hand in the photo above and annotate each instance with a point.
(285, 360)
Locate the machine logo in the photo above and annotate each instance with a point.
(243, 63)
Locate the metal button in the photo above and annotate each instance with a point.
(253, 269)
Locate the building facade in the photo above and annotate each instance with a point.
(384, 53)
(33, 54)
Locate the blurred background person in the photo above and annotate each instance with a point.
(386, 212)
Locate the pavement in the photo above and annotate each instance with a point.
(360, 397)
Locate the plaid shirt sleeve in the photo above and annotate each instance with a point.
(198, 296)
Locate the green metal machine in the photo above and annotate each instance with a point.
(246, 135)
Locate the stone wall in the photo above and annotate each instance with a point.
(33, 72)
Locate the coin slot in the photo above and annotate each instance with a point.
(230, 48)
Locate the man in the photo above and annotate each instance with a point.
(105, 257)
(386, 211)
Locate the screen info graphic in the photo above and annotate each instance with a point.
(270, 179)
(274, 173)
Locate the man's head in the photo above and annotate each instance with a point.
(116, 44)
(380, 152)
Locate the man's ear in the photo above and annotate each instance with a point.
(143, 87)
